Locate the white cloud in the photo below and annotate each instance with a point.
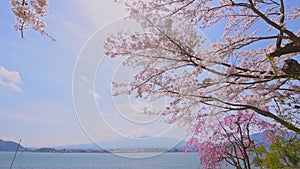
(94, 94)
(101, 12)
(85, 79)
(10, 79)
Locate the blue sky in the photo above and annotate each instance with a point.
(37, 105)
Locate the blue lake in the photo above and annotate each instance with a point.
(27, 160)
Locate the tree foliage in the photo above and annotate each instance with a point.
(244, 65)
(282, 153)
(230, 141)
(252, 68)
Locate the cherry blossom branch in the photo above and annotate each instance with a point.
(268, 114)
(292, 36)
(287, 49)
(240, 74)
(244, 107)
(250, 107)
(279, 40)
(182, 7)
(249, 40)
(30, 14)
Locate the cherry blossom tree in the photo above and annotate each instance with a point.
(229, 141)
(30, 13)
(252, 67)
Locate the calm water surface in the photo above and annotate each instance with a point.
(26, 160)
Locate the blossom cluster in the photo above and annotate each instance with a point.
(238, 79)
(29, 14)
(240, 71)
(229, 139)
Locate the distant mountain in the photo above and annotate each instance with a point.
(10, 146)
(143, 142)
(134, 143)
(260, 137)
(91, 146)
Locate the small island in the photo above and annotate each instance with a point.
(11, 146)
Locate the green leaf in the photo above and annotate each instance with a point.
(273, 64)
(259, 150)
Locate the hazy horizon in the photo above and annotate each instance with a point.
(38, 77)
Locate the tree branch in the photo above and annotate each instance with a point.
(291, 35)
(287, 49)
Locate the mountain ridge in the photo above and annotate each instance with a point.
(134, 143)
(10, 146)
(143, 142)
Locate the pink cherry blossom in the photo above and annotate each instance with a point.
(230, 141)
(30, 14)
(239, 78)
(244, 64)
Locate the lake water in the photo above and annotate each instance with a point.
(26, 160)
